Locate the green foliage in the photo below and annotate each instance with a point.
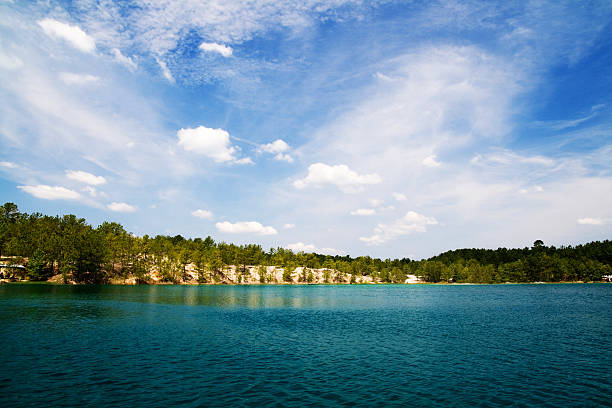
(69, 246)
(36, 267)
(287, 273)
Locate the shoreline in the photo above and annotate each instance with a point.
(27, 282)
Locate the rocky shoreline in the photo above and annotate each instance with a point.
(245, 275)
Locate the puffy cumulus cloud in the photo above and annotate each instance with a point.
(124, 60)
(213, 143)
(302, 247)
(430, 161)
(50, 192)
(245, 160)
(310, 248)
(400, 196)
(284, 157)
(72, 34)
(204, 214)
(70, 78)
(279, 148)
(409, 223)
(245, 227)
(364, 211)
(591, 221)
(121, 207)
(341, 176)
(84, 177)
(218, 48)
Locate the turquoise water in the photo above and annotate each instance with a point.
(415, 345)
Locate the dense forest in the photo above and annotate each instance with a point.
(70, 247)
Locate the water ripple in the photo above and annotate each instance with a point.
(493, 346)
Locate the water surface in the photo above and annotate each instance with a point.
(388, 345)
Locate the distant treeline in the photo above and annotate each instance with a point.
(69, 246)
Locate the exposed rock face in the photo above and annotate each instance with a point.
(251, 275)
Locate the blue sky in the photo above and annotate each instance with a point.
(384, 128)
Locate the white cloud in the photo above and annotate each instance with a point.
(400, 196)
(50, 192)
(245, 160)
(279, 148)
(310, 248)
(284, 157)
(121, 207)
(72, 34)
(9, 165)
(289, 226)
(70, 78)
(213, 143)
(533, 189)
(411, 222)
(382, 77)
(302, 247)
(364, 211)
(340, 175)
(165, 71)
(507, 158)
(430, 161)
(158, 26)
(565, 124)
(214, 47)
(124, 60)
(93, 192)
(84, 177)
(374, 202)
(10, 62)
(591, 221)
(245, 227)
(204, 214)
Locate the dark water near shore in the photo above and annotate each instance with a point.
(416, 345)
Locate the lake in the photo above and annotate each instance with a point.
(383, 345)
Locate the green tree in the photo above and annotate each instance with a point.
(36, 266)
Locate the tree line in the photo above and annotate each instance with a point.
(67, 245)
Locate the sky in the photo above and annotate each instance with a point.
(381, 128)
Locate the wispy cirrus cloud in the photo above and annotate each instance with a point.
(72, 34)
(70, 78)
